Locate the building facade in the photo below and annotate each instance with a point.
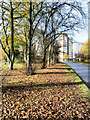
(70, 48)
(65, 47)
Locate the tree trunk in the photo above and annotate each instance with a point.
(52, 44)
(44, 59)
(48, 56)
(29, 67)
(10, 63)
(52, 54)
(26, 50)
(12, 38)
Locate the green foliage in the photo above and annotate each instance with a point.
(36, 24)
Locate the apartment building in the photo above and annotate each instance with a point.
(70, 48)
(65, 46)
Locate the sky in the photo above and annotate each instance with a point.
(82, 35)
(79, 37)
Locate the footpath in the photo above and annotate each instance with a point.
(82, 70)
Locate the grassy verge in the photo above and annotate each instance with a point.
(82, 87)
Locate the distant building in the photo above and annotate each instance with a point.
(65, 46)
(70, 48)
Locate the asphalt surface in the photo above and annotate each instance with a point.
(83, 71)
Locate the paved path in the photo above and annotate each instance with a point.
(83, 71)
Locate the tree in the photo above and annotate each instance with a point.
(34, 19)
(9, 54)
(64, 20)
(8, 18)
(64, 17)
(65, 56)
(85, 50)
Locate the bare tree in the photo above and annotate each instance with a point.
(57, 18)
(65, 18)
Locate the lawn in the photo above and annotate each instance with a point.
(52, 93)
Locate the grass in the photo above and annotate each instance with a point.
(82, 87)
(70, 75)
(51, 90)
(4, 65)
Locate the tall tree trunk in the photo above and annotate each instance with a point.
(45, 43)
(9, 62)
(10, 65)
(52, 54)
(48, 56)
(12, 38)
(26, 50)
(52, 45)
(29, 67)
(44, 58)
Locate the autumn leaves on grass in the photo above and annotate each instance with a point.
(61, 102)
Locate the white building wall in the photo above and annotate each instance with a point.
(65, 46)
(60, 50)
(70, 48)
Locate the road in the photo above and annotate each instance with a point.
(82, 70)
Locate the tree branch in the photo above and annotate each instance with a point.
(19, 17)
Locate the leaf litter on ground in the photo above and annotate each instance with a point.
(46, 95)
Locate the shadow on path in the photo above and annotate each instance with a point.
(48, 84)
(60, 68)
(32, 85)
(55, 73)
(44, 72)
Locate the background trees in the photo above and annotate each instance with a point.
(85, 51)
(66, 56)
(8, 10)
(35, 27)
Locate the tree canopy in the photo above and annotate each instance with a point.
(32, 24)
(85, 49)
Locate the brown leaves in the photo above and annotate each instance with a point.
(45, 102)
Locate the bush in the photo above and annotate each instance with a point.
(86, 61)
